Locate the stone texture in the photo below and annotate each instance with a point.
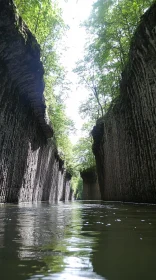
(91, 190)
(30, 168)
(125, 139)
(68, 192)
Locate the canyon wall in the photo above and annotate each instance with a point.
(125, 139)
(91, 189)
(30, 168)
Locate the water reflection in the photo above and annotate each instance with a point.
(75, 252)
(2, 225)
(80, 240)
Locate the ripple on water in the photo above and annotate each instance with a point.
(69, 241)
(72, 275)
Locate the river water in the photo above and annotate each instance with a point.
(78, 240)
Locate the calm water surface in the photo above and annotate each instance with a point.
(79, 240)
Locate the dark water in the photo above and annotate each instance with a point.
(79, 240)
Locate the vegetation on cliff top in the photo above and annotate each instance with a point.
(44, 19)
(110, 29)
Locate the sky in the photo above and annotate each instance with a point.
(75, 12)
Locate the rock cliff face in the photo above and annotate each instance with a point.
(125, 139)
(30, 168)
(91, 190)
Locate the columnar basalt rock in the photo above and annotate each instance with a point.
(125, 139)
(30, 168)
(68, 192)
(91, 189)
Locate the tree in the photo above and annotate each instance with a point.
(110, 28)
(77, 186)
(43, 18)
(83, 153)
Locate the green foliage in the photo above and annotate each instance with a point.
(110, 28)
(77, 186)
(43, 18)
(61, 123)
(112, 25)
(83, 153)
(83, 158)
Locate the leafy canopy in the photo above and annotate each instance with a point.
(110, 29)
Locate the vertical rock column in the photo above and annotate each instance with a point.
(124, 140)
(29, 162)
(91, 190)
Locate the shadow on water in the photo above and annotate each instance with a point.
(126, 246)
(80, 240)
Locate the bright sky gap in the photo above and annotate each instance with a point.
(74, 13)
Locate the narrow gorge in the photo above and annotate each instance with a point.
(124, 139)
(77, 206)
